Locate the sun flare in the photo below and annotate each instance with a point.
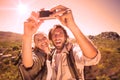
(22, 9)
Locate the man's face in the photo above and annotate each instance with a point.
(41, 42)
(58, 38)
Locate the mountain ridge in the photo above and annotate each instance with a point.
(6, 36)
(10, 36)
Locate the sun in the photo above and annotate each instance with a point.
(22, 8)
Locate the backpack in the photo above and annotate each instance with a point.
(72, 66)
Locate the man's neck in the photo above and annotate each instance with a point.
(59, 51)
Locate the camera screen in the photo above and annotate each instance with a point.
(46, 13)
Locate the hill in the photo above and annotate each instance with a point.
(108, 44)
(9, 36)
(9, 40)
(106, 35)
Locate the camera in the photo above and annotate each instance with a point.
(45, 14)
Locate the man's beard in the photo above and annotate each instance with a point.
(59, 47)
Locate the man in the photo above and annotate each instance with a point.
(33, 66)
(85, 53)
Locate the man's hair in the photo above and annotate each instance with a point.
(53, 29)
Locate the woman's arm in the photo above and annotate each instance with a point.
(30, 27)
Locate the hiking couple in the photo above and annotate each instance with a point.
(66, 60)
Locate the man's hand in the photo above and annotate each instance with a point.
(64, 14)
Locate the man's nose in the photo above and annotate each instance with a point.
(57, 36)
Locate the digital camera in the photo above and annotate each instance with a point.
(45, 14)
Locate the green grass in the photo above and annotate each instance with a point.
(107, 69)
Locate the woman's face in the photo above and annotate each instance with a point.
(41, 41)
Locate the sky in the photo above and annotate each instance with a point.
(91, 16)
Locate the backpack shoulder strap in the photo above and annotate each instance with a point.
(49, 56)
(72, 66)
